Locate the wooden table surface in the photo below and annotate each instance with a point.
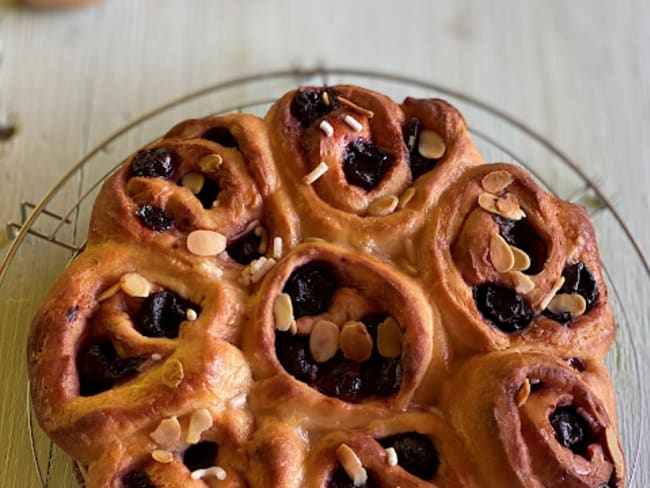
(577, 73)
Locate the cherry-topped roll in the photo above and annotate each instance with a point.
(339, 294)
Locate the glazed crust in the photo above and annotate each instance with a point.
(403, 258)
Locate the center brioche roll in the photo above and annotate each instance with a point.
(338, 337)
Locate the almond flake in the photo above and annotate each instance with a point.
(356, 342)
(556, 286)
(431, 145)
(161, 456)
(324, 340)
(193, 182)
(383, 206)
(573, 303)
(283, 312)
(210, 163)
(389, 338)
(496, 181)
(615, 450)
(523, 283)
(522, 260)
(200, 421)
(167, 433)
(357, 108)
(216, 471)
(135, 285)
(391, 456)
(509, 208)
(501, 254)
(206, 243)
(352, 465)
(488, 202)
(406, 197)
(109, 292)
(172, 373)
(523, 393)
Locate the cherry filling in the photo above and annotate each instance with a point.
(152, 163)
(308, 105)
(418, 163)
(576, 363)
(293, 353)
(340, 479)
(245, 248)
(208, 193)
(201, 456)
(364, 164)
(311, 288)
(522, 234)
(155, 218)
(161, 314)
(100, 367)
(577, 279)
(415, 453)
(137, 479)
(504, 308)
(571, 430)
(222, 136)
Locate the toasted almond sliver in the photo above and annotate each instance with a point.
(210, 163)
(277, 247)
(391, 456)
(167, 433)
(523, 284)
(135, 285)
(162, 456)
(109, 292)
(556, 286)
(172, 373)
(206, 243)
(406, 197)
(496, 181)
(357, 108)
(283, 312)
(216, 471)
(573, 303)
(501, 254)
(488, 202)
(383, 206)
(353, 123)
(355, 341)
(351, 464)
(508, 207)
(193, 181)
(431, 144)
(324, 340)
(615, 451)
(200, 421)
(315, 173)
(191, 315)
(389, 338)
(522, 260)
(523, 393)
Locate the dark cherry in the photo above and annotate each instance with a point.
(505, 308)
(99, 367)
(155, 218)
(577, 364)
(153, 163)
(293, 353)
(245, 248)
(522, 234)
(71, 313)
(571, 430)
(137, 479)
(387, 374)
(201, 456)
(208, 193)
(342, 379)
(340, 479)
(418, 163)
(577, 279)
(161, 314)
(308, 105)
(415, 453)
(311, 287)
(222, 136)
(364, 164)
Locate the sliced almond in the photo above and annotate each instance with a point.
(615, 451)
(210, 163)
(523, 393)
(193, 182)
(109, 292)
(523, 283)
(206, 243)
(200, 421)
(496, 181)
(391, 456)
(431, 145)
(283, 312)
(135, 285)
(167, 433)
(406, 197)
(172, 373)
(556, 286)
(508, 206)
(573, 303)
(357, 108)
(501, 254)
(213, 471)
(324, 340)
(522, 260)
(389, 338)
(356, 342)
(161, 456)
(383, 206)
(351, 464)
(488, 202)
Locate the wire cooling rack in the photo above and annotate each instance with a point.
(52, 230)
